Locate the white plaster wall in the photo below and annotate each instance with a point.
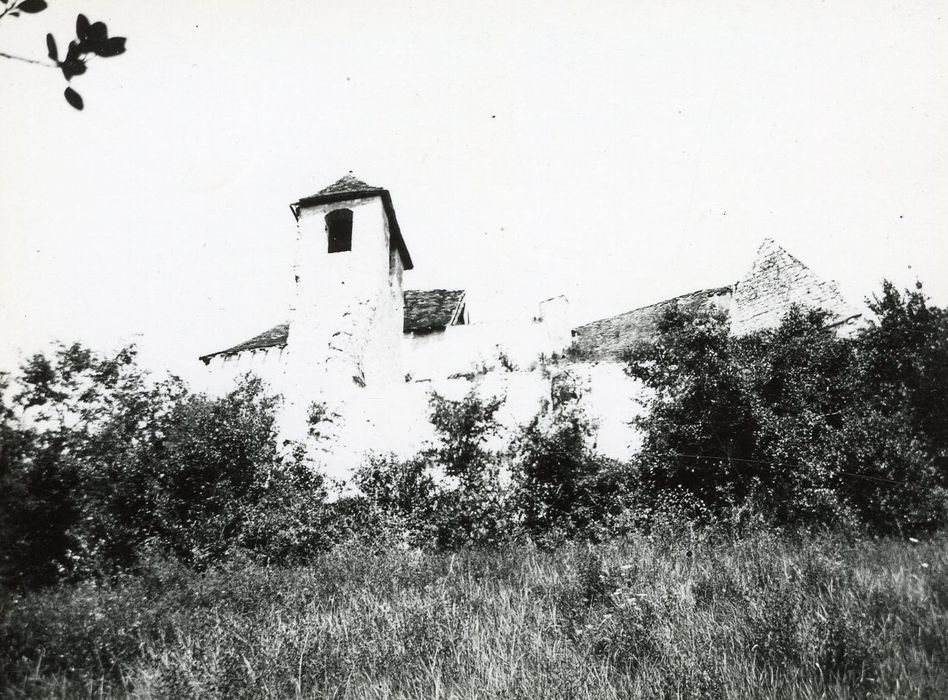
(394, 418)
(459, 349)
(222, 372)
(346, 321)
(611, 400)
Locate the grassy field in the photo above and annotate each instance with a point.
(761, 617)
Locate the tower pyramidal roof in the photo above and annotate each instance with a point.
(348, 184)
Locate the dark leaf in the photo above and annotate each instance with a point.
(73, 98)
(32, 6)
(111, 47)
(71, 69)
(72, 65)
(51, 46)
(98, 32)
(82, 27)
(95, 38)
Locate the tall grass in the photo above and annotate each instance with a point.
(760, 617)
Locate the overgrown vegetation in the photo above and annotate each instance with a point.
(811, 428)
(196, 555)
(678, 617)
(100, 465)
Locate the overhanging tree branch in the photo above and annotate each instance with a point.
(44, 64)
(92, 39)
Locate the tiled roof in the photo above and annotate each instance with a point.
(425, 311)
(275, 337)
(348, 184)
(775, 282)
(351, 187)
(608, 338)
(431, 309)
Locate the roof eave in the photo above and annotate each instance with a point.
(230, 352)
(396, 231)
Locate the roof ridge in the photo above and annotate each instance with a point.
(714, 290)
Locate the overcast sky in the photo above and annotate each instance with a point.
(616, 152)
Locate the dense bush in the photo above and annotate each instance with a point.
(560, 487)
(399, 502)
(472, 499)
(73, 495)
(811, 427)
(451, 494)
(100, 463)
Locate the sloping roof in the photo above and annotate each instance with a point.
(608, 338)
(426, 310)
(351, 187)
(348, 184)
(775, 282)
(272, 338)
(431, 309)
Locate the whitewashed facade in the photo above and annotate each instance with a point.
(371, 352)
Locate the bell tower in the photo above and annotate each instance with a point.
(346, 320)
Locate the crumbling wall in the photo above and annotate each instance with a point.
(775, 282)
(223, 370)
(394, 418)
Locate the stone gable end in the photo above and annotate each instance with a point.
(775, 282)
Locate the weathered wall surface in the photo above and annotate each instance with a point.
(609, 338)
(223, 370)
(460, 349)
(345, 327)
(775, 282)
(348, 306)
(346, 349)
(394, 418)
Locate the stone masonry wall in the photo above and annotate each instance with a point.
(775, 282)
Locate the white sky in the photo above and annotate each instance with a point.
(618, 152)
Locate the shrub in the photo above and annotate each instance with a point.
(399, 501)
(472, 502)
(560, 488)
(114, 463)
(699, 427)
(286, 518)
(809, 427)
(78, 496)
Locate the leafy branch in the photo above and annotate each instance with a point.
(92, 39)
(25, 6)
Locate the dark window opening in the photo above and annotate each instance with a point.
(339, 230)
